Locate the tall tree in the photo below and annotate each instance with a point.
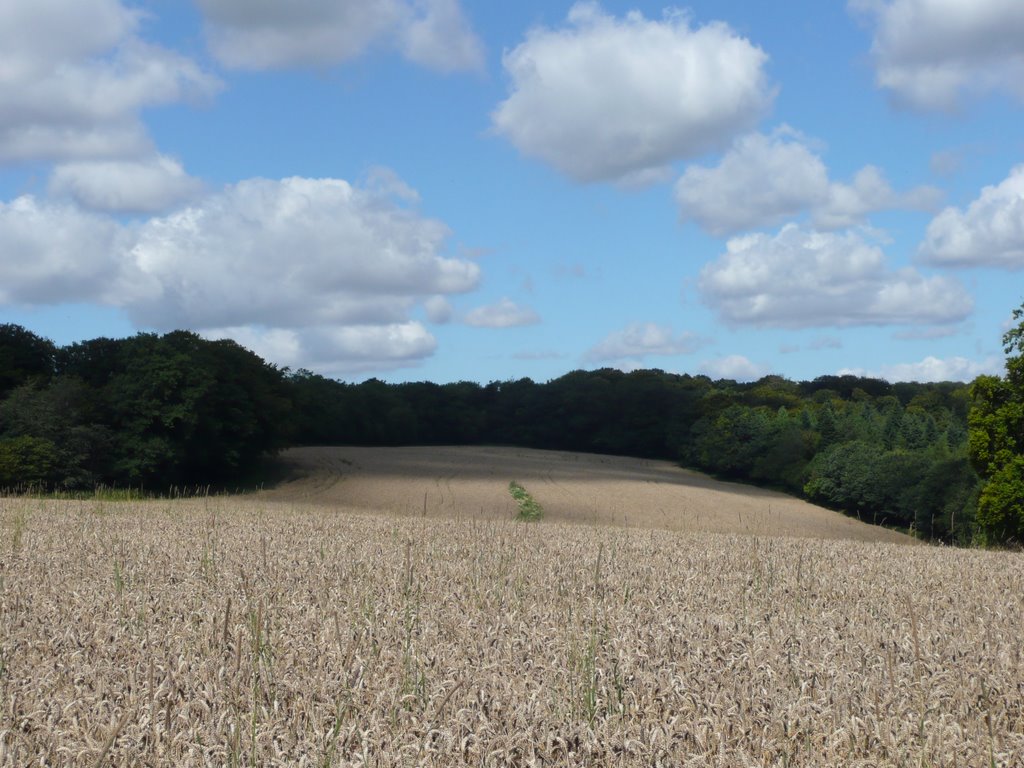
(24, 357)
(996, 442)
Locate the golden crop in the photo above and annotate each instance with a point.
(237, 631)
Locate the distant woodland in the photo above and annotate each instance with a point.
(156, 412)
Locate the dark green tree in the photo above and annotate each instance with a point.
(787, 447)
(24, 357)
(827, 427)
(996, 442)
(62, 415)
(731, 443)
(179, 409)
(26, 463)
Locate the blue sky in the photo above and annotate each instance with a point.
(443, 190)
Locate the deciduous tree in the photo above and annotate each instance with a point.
(996, 442)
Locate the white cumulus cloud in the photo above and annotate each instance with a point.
(932, 369)
(801, 278)
(504, 313)
(54, 253)
(735, 367)
(320, 33)
(765, 180)
(439, 309)
(441, 38)
(321, 271)
(336, 351)
(638, 341)
(607, 98)
(74, 76)
(990, 233)
(299, 251)
(135, 186)
(930, 53)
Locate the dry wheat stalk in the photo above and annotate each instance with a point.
(239, 632)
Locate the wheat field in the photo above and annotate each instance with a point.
(243, 631)
(472, 482)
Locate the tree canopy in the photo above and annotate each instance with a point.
(996, 442)
(152, 411)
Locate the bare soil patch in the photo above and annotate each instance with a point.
(472, 483)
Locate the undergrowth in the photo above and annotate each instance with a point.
(529, 509)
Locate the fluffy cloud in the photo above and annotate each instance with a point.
(848, 204)
(800, 278)
(439, 309)
(75, 77)
(319, 33)
(932, 369)
(764, 180)
(640, 340)
(735, 367)
(300, 251)
(56, 253)
(143, 186)
(328, 271)
(504, 313)
(442, 38)
(761, 180)
(619, 99)
(337, 351)
(990, 233)
(928, 53)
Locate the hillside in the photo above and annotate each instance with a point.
(472, 482)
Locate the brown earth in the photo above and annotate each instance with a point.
(472, 483)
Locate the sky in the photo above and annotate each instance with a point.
(442, 190)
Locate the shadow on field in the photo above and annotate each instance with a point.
(489, 462)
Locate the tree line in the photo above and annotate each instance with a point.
(150, 411)
(943, 460)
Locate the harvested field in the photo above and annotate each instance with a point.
(472, 482)
(247, 632)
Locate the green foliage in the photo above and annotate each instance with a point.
(846, 475)
(153, 411)
(946, 500)
(996, 443)
(827, 428)
(994, 423)
(24, 357)
(878, 486)
(529, 509)
(1001, 504)
(61, 414)
(732, 440)
(787, 447)
(1013, 346)
(26, 463)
